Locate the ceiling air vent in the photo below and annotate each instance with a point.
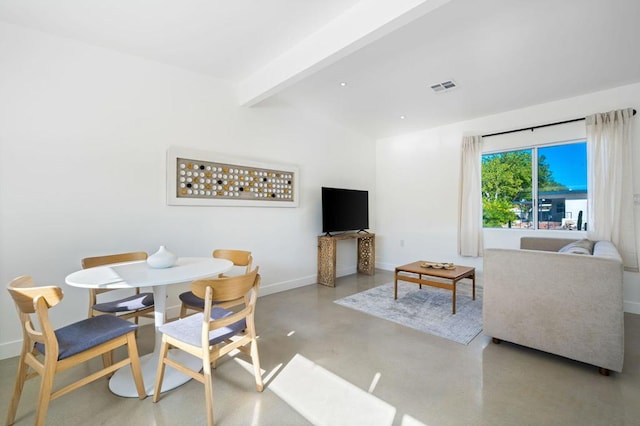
(444, 86)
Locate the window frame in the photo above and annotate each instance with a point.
(534, 176)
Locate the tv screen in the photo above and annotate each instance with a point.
(344, 210)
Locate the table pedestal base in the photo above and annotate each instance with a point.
(121, 383)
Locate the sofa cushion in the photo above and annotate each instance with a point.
(583, 246)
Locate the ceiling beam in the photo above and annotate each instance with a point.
(364, 23)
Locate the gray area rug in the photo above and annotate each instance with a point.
(427, 309)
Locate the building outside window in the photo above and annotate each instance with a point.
(541, 187)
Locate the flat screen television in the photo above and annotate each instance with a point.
(344, 210)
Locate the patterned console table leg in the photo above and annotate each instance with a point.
(327, 261)
(367, 255)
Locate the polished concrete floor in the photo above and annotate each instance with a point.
(326, 364)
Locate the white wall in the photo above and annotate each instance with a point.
(418, 174)
(83, 139)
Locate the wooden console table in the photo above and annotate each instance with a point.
(327, 247)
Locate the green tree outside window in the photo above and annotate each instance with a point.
(507, 191)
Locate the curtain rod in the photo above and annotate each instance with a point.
(540, 126)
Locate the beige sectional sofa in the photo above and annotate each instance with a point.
(563, 303)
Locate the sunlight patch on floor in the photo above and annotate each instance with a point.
(323, 398)
(374, 382)
(407, 420)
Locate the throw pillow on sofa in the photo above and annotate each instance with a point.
(583, 246)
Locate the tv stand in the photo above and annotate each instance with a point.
(327, 248)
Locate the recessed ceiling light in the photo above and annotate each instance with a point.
(402, 117)
(343, 83)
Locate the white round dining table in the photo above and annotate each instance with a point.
(140, 274)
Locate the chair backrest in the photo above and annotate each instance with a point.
(90, 262)
(31, 300)
(227, 292)
(238, 257)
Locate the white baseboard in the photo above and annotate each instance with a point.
(386, 266)
(273, 288)
(632, 307)
(265, 290)
(10, 349)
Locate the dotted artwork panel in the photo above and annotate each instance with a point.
(213, 180)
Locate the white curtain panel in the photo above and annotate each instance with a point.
(610, 199)
(470, 204)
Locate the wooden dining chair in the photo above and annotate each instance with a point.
(48, 352)
(214, 332)
(239, 258)
(135, 306)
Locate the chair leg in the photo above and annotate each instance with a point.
(21, 378)
(135, 320)
(208, 390)
(46, 386)
(107, 360)
(183, 310)
(215, 355)
(255, 360)
(136, 371)
(164, 349)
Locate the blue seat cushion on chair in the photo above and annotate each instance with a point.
(132, 303)
(88, 333)
(191, 299)
(189, 329)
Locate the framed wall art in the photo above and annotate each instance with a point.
(202, 178)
